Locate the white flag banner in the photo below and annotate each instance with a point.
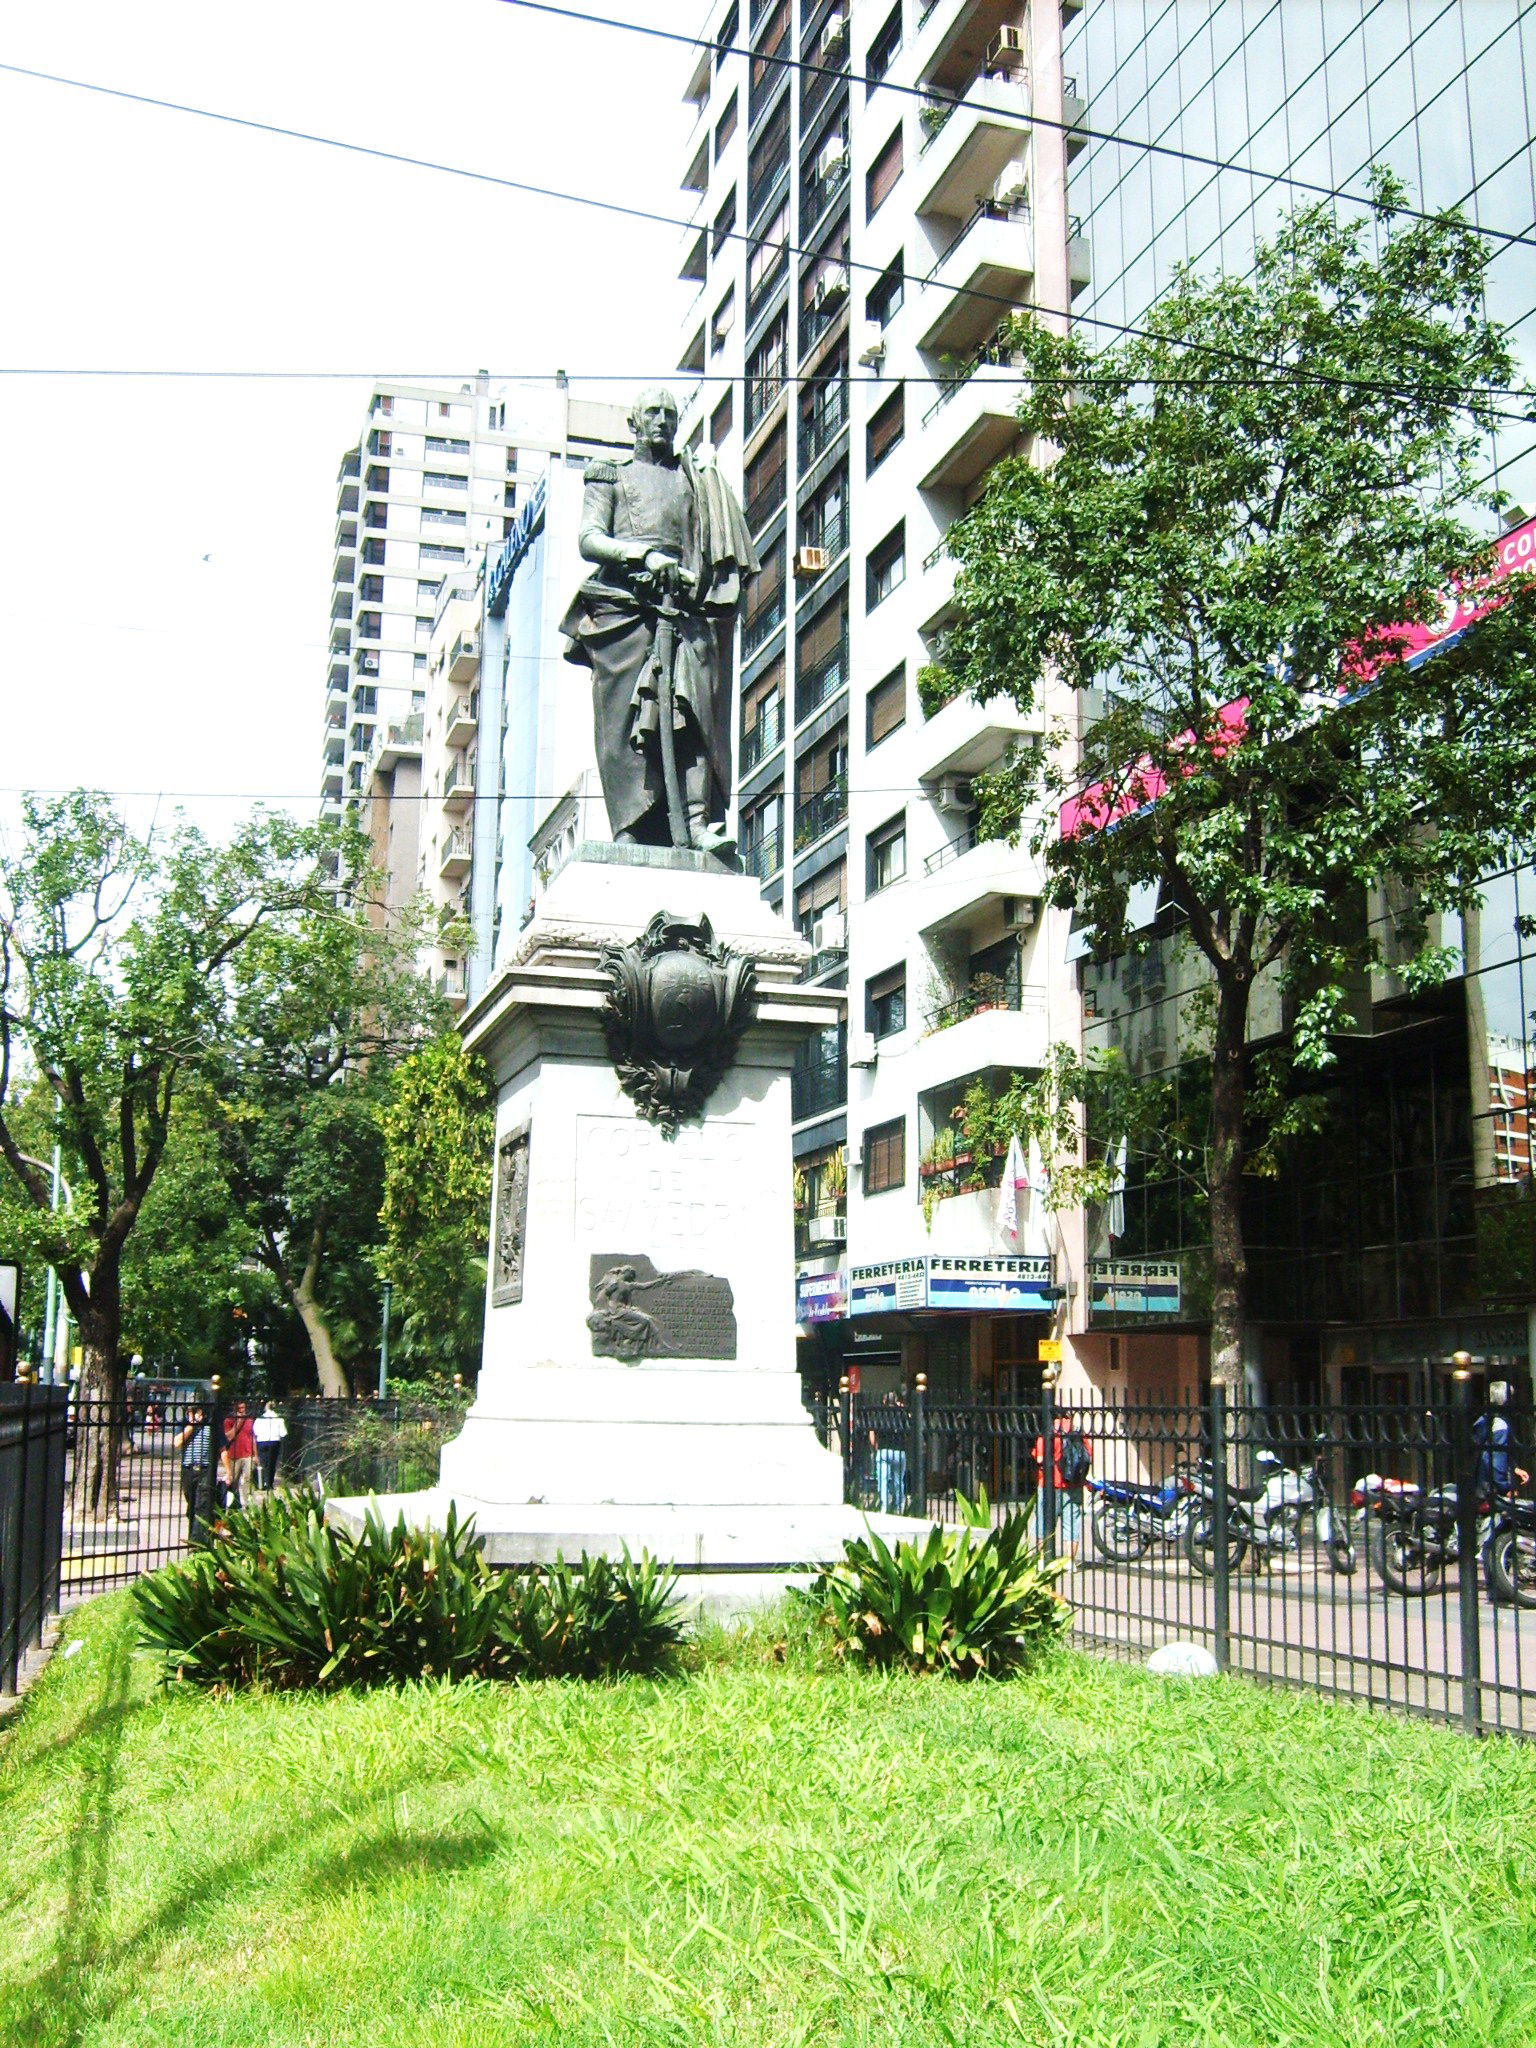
(1015, 1175)
(1114, 1215)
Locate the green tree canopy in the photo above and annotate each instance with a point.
(1243, 514)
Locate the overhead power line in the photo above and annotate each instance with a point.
(1462, 396)
(936, 94)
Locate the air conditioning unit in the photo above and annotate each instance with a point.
(832, 36)
(871, 351)
(828, 1230)
(1018, 913)
(955, 793)
(830, 288)
(863, 1050)
(810, 561)
(1006, 50)
(1011, 188)
(833, 158)
(829, 934)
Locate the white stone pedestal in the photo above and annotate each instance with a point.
(709, 1463)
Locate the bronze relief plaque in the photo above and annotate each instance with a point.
(640, 1313)
(509, 1227)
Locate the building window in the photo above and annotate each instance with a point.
(721, 421)
(886, 569)
(763, 605)
(373, 552)
(882, 51)
(727, 36)
(767, 160)
(762, 715)
(433, 551)
(882, 175)
(885, 1157)
(371, 590)
(885, 856)
(885, 708)
(883, 300)
(766, 475)
(725, 223)
(885, 1002)
(444, 480)
(441, 515)
(426, 592)
(384, 404)
(886, 429)
(419, 664)
(439, 444)
(821, 658)
(768, 261)
(821, 908)
(725, 127)
(824, 521)
(821, 785)
(723, 322)
(765, 371)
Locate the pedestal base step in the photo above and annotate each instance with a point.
(729, 1559)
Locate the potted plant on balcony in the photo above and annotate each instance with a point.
(834, 1182)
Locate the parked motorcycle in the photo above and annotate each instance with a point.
(1510, 1558)
(1269, 1516)
(1127, 1520)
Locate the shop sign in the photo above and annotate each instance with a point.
(821, 1297)
(998, 1282)
(1048, 1351)
(881, 1290)
(1133, 1287)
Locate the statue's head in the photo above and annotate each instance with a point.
(653, 417)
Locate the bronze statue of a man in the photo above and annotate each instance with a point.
(653, 623)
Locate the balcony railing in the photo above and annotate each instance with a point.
(816, 815)
(767, 498)
(763, 857)
(762, 624)
(767, 285)
(825, 422)
(982, 993)
(817, 686)
(968, 839)
(818, 1088)
(826, 961)
(830, 535)
(763, 395)
(817, 194)
(758, 741)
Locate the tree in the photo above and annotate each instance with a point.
(439, 1124)
(319, 1015)
(116, 957)
(1244, 516)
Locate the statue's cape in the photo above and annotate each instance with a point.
(725, 543)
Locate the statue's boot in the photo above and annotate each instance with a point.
(707, 836)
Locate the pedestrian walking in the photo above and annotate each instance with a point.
(890, 1455)
(1497, 1472)
(195, 1445)
(1072, 1461)
(240, 1455)
(269, 1430)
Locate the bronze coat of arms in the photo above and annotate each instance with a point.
(677, 1006)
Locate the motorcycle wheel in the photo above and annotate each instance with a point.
(1410, 1564)
(1341, 1552)
(1118, 1533)
(1283, 1527)
(1511, 1567)
(1200, 1545)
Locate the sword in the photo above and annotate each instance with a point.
(666, 649)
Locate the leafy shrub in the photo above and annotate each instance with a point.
(964, 1600)
(282, 1598)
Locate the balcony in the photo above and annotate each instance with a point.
(971, 423)
(968, 149)
(936, 592)
(821, 427)
(368, 663)
(463, 721)
(331, 779)
(819, 684)
(1074, 112)
(397, 741)
(820, 813)
(1011, 1036)
(335, 742)
(451, 988)
(763, 623)
(458, 853)
(967, 738)
(760, 740)
(818, 1088)
(991, 259)
(458, 789)
(767, 496)
(763, 857)
(965, 880)
(1079, 258)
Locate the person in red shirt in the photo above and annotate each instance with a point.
(1071, 1461)
(240, 1453)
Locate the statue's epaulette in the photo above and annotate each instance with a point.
(600, 472)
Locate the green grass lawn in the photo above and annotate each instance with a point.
(757, 1853)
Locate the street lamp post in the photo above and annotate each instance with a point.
(384, 1344)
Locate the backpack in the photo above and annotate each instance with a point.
(1073, 1458)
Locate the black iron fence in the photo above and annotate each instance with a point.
(145, 1477)
(32, 1453)
(1384, 1553)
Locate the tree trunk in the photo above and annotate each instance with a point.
(306, 1302)
(1229, 1257)
(101, 1406)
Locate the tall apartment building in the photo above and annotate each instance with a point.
(1407, 1230)
(858, 246)
(440, 483)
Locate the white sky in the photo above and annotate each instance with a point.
(141, 238)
